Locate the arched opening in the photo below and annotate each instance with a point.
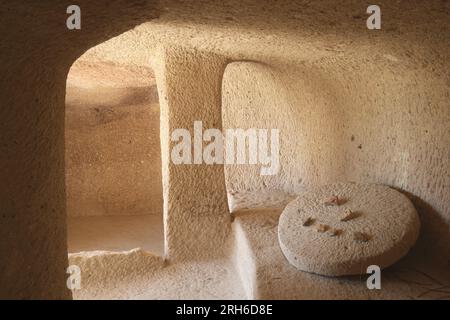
(253, 99)
(113, 156)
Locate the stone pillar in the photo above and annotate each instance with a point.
(36, 53)
(33, 248)
(196, 216)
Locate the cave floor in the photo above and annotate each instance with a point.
(116, 233)
(416, 276)
(252, 266)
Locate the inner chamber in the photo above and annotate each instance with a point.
(113, 157)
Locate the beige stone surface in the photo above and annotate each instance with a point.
(113, 147)
(137, 274)
(239, 201)
(266, 274)
(252, 266)
(354, 105)
(383, 228)
(36, 53)
(195, 199)
(116, 233)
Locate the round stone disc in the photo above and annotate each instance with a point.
(341, 229)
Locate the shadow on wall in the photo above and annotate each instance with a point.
(434, 231)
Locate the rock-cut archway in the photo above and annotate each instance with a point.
(113, 156)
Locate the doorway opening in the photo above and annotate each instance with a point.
(113, 156)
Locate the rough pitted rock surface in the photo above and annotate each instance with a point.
(385, 225)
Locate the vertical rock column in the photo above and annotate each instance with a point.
(36, 53)
(196, 216)
(33, 249)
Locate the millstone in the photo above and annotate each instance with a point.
(341, 229)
